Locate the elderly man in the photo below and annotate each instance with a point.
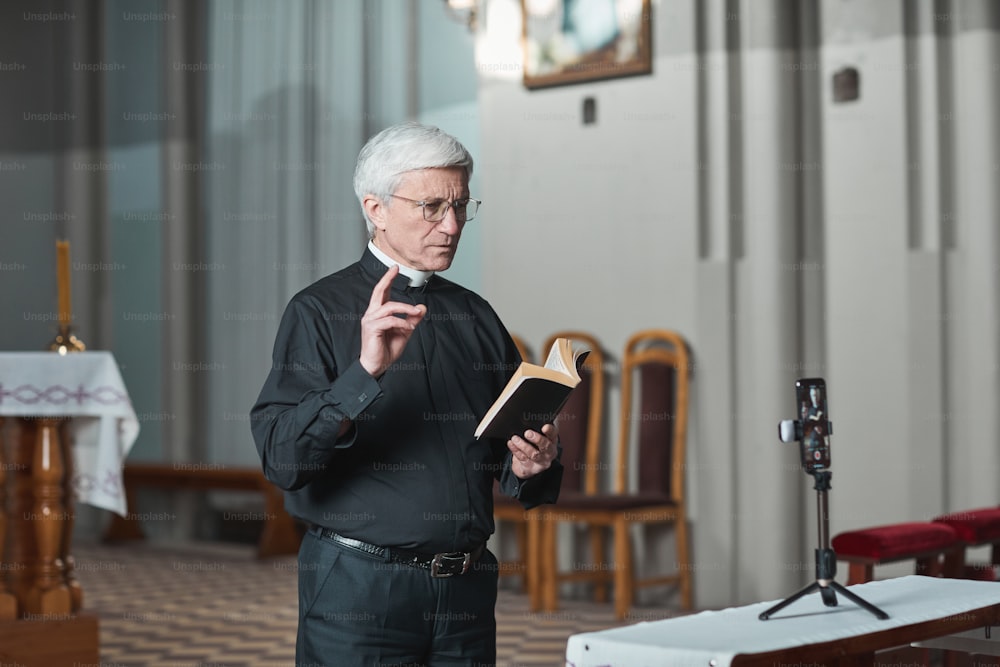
(380, 373)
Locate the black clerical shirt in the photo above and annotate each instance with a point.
(409, 472)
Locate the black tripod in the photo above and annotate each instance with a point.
(826, 561)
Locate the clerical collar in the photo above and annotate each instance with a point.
(417, 278)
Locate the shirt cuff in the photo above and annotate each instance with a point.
(353, 391)
(540, 489)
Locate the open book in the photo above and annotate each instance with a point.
(535, 394)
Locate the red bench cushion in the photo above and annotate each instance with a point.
(894, 541)
(975, 526)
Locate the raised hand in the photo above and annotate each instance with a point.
(384, 333)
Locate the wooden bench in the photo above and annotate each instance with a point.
(935, 547)
(976, 528)
(280, 535)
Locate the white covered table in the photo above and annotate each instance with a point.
(66, 426)
(87, 389)
(805, 632)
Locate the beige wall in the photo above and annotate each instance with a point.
(727, 196)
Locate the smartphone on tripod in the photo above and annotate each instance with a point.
(814, 415)
(812, 430)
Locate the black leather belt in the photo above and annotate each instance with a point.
(441, 565)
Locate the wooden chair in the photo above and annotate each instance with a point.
(506, 508)
(580, 423)
(654, 405)
(522, 348)
(582, 419)
(581, 429)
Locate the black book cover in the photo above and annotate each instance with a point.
(536, 402)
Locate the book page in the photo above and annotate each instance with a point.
(556, 360)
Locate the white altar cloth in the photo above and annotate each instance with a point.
(716, 637)
(87, 389)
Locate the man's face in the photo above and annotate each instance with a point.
(401, 230)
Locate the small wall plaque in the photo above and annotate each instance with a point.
(846, 85)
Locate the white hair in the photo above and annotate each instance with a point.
(399, 149)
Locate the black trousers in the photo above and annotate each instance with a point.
(356, 609)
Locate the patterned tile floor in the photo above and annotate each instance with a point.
(215, 605)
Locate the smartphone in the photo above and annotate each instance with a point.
(814, 415)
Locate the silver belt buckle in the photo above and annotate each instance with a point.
(453, 556)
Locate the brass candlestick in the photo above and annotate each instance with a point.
(66, 342)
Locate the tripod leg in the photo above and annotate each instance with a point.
(787, 601)
(829, 596)
(858, 600)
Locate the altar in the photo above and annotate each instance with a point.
(920, 609)
(66, 427)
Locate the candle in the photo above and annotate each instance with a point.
(62, 276)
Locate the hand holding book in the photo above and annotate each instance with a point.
(534, 451)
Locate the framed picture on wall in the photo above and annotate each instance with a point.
(570, 41)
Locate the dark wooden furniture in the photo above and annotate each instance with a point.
(655, 373)
(580, 423)
(508, 510)
(976, 527)
(279, 536)
(934, 547)
(41, 619)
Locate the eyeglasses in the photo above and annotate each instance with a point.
(436, 209)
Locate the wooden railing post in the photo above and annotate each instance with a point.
(21, 551)
(49, 595)
(8, 603)
(66, 552)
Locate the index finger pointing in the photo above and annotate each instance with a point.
(381, 291)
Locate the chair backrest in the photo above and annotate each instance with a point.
(522, 348)
(582, 418)
(655, 373)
